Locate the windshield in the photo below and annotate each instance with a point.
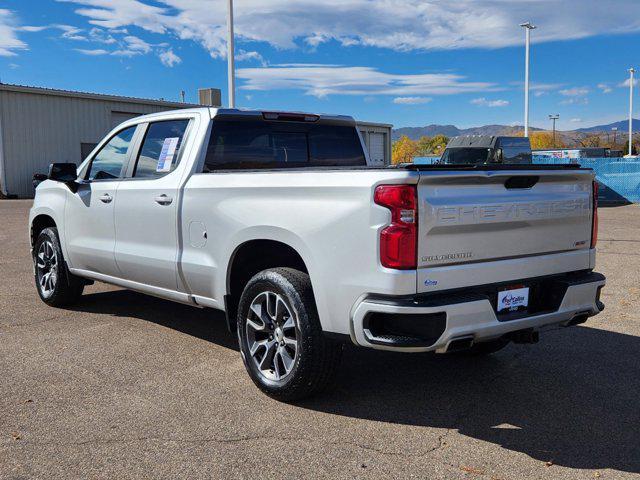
(466, 156)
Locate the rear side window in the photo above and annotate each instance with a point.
(160, 150)
(108, 162)
(250, 144)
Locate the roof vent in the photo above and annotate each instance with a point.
(210, 97)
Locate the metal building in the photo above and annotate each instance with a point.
(377, 138)
(40, 126)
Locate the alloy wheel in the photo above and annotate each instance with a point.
(272, 335)
(47, 268)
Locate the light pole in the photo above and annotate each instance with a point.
(231, 72)
(553, 118)
(615, 131)
(528, 27)
(631, 72)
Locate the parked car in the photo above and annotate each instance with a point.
(487, 149)
(276, 219)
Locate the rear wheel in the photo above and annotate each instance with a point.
(56, 286)
(281, 340)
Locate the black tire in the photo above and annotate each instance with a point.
(485, 348)
(65, 289)
(316, 357)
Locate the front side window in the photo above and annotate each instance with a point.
(108, 162)
(255, 144)
(160, 150)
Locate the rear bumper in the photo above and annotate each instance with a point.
(469, 314)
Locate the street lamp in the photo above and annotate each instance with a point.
(631, 72)
(231, 73)
(553, 118)
(528, 27)
(615, 131)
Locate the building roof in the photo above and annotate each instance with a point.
(7, 87)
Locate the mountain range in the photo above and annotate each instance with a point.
(415, 133)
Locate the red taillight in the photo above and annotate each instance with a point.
(399, 240)
(594, 223)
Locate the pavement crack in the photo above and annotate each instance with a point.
(440, 442)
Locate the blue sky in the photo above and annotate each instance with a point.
(405, 62)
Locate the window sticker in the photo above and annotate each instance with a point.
(167, 154)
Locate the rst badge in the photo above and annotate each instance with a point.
(512, 300)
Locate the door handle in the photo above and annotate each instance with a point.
(163, 199)
(106, 198)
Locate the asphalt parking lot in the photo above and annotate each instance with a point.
(129, 386)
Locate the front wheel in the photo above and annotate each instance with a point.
(281, 340)
(56, 286)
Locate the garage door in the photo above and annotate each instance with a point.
(376, 148)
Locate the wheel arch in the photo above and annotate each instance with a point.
(39, 223)
(251, 257)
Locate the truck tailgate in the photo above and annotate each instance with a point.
(473, 220)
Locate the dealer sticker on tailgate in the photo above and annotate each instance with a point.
(513, 299)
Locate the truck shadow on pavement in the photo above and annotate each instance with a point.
(573, 399)
(206, 324)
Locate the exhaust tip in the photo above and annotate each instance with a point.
(459, 344)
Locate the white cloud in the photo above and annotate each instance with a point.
(243, 56)
(100, 36)
(574, 92)
(9, 41)
(483, 102)
(398, 24)
(92, 52)
(70, 32)
(575, 120)
(13, 66)
(540, 89)
(323, 80)
(575, 101)
(411, 100)
(33, 28)
(169, 59)
(626, 83)
(604, 88)
(575, 96)
(137, 44)
(131, 46)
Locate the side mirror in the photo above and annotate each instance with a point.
(63, 172)
(38, 178)
(498, 156)
(66, 173)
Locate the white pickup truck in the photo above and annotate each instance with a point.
(276, 219)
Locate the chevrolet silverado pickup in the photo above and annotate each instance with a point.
(276, 219)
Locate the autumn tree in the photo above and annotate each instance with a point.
(591, 141)
(424, 146)
(403, 150)
(439, 143)
(432, 145)
(544, 141)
